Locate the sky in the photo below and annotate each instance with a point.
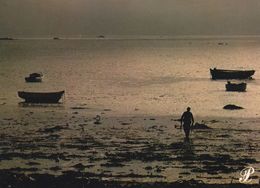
(40, 18)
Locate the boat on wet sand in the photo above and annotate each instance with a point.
(231, 74)
(41, 97)
(236, 87)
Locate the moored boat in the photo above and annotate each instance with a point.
(34, 77)
(41, 97)
(236, 87)
(231, 74)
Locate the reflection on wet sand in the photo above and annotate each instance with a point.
(123, 148)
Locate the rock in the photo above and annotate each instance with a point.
(78, 108)
(97, 120)
(232, 107)
(214, 121)
(200, 126)
(148, 168)
(125, 123)
(79, 166)
(52, 129)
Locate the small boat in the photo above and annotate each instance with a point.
(235, 87)
(6, 38)
(34, 77)
(41, 97)
(231, 74)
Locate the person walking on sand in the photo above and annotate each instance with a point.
(187, 121)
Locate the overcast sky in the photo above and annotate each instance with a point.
(129, 17)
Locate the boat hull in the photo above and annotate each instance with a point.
(38, 97)
(231, 74)
(32, 79)
(236, 87)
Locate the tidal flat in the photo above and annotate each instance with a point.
(139, 89)
(129, 149)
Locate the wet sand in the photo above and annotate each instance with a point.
(52, 144)
(76, 179)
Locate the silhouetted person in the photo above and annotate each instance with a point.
(187, 121)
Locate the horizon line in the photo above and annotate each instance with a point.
(132, 37)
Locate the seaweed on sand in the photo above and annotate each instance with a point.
(78, 179)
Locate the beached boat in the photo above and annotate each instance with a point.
(231, 74)
(235, 87)
(34, 77)
(41, 97)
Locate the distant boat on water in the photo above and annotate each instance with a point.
(6, 38)
(222, 43)
(56, 38)
(34, 77)
(236, 87)
(101, 36)
(231, 74)
(41, 97)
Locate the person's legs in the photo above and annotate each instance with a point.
(186, 130)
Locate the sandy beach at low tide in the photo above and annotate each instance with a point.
(139, 88)
(132, 148)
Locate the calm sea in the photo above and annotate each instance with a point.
(159, 77)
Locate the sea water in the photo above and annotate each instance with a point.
(130, 76)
